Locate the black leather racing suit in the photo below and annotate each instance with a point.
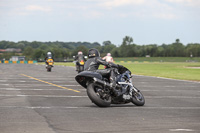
(92, 64)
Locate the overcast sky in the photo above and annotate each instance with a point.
(146, 21)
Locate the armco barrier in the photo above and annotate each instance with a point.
(6, 61)
(30, 62)
(19, 62)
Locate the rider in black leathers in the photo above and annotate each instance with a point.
(92, 64)
(78, 58)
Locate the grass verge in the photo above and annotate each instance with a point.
(174, 70)
(183, 71)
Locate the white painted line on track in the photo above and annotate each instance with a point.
(181, 130)
(150, 97)
(10, 89)
(70, 85)
(42, 96)
(158, 97)
(16, 89)
(168, 78)
(172, 90)
(3, 80)
(5, 84)
(112, 106)
(167, 86)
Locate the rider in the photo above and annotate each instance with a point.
(48, 56)
(108, 58)
(79, 58)
(92, 64)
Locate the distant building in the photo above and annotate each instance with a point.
(2, 50)
(17, 58)
(11, 50)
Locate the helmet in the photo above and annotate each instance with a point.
(48, 53)
(108, 54)
(80, 52)
(93, 53)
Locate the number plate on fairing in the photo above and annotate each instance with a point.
(126, 97)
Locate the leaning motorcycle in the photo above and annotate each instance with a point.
(49, 64)
(99, 92)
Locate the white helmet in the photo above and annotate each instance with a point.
(80, 52)
(108, 54)
(48, 53)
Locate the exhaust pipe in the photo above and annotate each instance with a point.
(101, 82)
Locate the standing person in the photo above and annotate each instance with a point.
(108, 58)
(80, 57)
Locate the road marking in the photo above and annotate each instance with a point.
(71, 85)
(170, 97)
(50, 83)
(147, 97)
(167, 78)
(5, 84)
(177, 130)
(39, 96)
(112, 106)
(172, 90)
(3, 80)
(17, 89)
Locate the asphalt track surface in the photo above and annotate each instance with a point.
(33, 100)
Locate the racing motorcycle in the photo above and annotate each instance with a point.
(99, 92)
(49, 64)
(80, 65)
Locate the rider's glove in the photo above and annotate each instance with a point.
(112, 65)
(120, 66)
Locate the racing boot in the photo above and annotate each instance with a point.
(114, 87)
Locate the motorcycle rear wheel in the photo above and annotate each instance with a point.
(95, 96)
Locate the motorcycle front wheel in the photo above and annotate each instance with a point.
(48, 69)
(138, 98)
(98, 96)
(81, 68)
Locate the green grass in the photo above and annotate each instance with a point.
(60, 63)
(167, 70)
(159, 59)
(174, 70)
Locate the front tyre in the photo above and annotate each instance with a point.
(48, 68)
(138, 98)
(97, 96)
(81, 68)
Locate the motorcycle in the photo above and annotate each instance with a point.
(99, 92)
(49, 64)
(80, 66)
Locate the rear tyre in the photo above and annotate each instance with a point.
(96, 96)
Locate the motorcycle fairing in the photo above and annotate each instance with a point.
(85, 76)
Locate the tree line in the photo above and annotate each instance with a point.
(65, 50)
